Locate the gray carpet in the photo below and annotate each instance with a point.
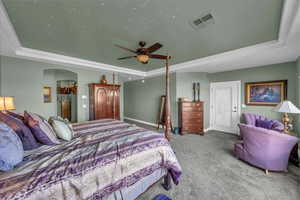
(211, 172)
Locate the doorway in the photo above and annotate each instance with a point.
(67, 99)
(64, 93)
(225, 106)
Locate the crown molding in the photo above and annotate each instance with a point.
(284, 49)
(218, 58)
(53, 58)
(9, 41)
(288, 19)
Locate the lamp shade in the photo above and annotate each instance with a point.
(7, 103)
(287, 107)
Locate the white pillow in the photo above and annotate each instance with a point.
(62, 129)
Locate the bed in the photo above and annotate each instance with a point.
(107, 159)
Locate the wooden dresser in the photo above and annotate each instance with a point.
(190, 117)
(103, 104)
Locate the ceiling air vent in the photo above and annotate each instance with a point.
(202, 21)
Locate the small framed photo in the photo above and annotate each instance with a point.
(47, 94)
(269, 93)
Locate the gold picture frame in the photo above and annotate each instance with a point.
(47, 94)
(267, 93)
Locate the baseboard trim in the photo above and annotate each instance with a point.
(141, 121)
(208, 129)
(155, 125)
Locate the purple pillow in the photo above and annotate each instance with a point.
(11, 148)
(41, 129)
(267, 124)
(24, 133)
(15, 115)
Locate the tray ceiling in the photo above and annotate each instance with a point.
(89, 29)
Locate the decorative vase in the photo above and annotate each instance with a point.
(103, 80)
(194, 91)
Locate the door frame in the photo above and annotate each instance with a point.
(239, 103)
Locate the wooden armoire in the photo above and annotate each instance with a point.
(103, 102)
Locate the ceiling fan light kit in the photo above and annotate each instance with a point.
(143, 58)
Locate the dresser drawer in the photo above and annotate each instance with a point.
(192, 115)
(192, 125)
(191, 130)
(192, 104)
(192, 109)
(195, 122)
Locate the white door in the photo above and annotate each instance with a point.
(225, 106)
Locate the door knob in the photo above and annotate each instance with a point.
(234, 109)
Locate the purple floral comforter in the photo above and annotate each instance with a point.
(105, 156)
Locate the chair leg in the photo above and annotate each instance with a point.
(267, 172)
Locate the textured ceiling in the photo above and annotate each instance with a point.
(88, 29)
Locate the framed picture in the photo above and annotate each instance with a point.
(268, 93)
(47, 94)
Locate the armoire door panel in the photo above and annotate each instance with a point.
(100, 103)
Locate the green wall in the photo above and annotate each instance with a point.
(0, 74)
(142, 100)
(24, 80)
(184, 88)
(284, 71)
(298, 91)
(298, 81)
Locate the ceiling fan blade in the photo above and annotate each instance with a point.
(126, 57)
(124, 48)
(154, 47)
(156, 56)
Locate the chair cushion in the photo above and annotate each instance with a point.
(11, 148)
(41, 129)
(250, 119)
(267, 124)
(62, 128)
(24, 133)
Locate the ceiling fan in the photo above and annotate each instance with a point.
(144, 54)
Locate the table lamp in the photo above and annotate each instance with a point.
(286, 107)
(7, 103)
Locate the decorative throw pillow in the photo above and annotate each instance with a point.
(11, 148)
(62, 128)
(16, 115)
(24, 133)
(41, 129)
(267, 124)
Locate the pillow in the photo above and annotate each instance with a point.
(62, 128)
(24, 133)
(267, 124)
(41, 129)
(15, 115)
(11, 148)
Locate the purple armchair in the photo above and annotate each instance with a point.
(266, 149)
